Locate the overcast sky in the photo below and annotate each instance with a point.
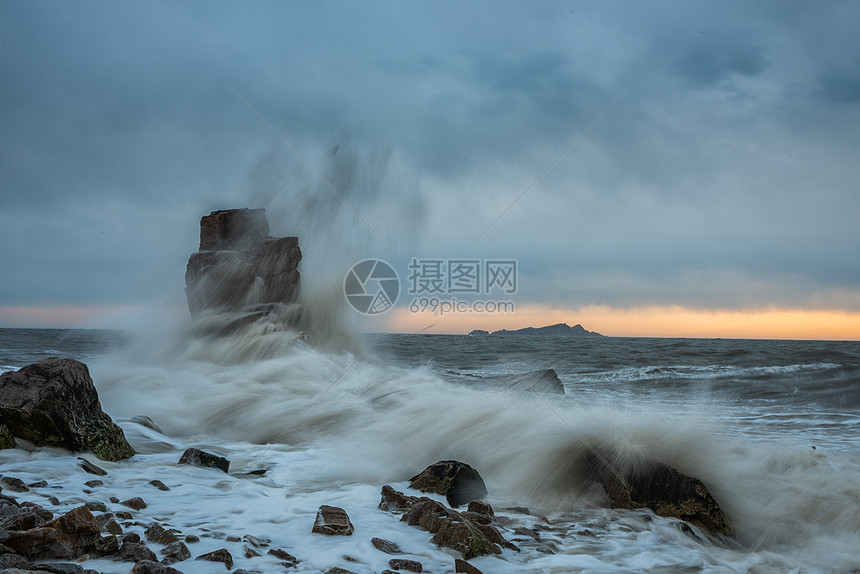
(727, 177)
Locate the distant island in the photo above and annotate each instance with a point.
(557, 330)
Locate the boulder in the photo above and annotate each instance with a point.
(66, 537)
(175, 552)
(238, 266)
(54, 403)
(661, 488)
(333, 521)
(449, 528)
(220, 555)
(135, 552)
(198, 457)
(386, 546)
(457, 481)
(160, 535)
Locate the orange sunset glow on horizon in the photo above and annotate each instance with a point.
(649, 322)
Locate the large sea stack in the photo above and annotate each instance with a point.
(239, 266)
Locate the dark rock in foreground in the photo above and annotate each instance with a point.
(152, 567)
(68, 536)
(465, 567)
(54, 403)
(238, 265)
(450, 528)
(664, 490)
(333, 521)
(457, 481)
(198, 457)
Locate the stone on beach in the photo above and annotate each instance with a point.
(333, 521)
(54, 403)
(197, 457)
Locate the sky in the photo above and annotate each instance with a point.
(710, 185)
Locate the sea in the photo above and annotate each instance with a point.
(772, 428)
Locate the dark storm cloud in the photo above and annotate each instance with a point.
(726, 176)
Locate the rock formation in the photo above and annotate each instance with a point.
(239, 266)
(457, 481)
(54, 403)
(663, 489)
(450, 528)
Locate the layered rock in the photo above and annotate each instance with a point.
(54, 403)
(663, 489)
(239, 265)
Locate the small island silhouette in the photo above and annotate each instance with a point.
(557, 330)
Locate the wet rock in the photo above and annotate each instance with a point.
(135, 552)
(450, 528)
(233, 538)
(338, 570)
(136, 503)
(540, 381)
(256, 541)
(96, 506)
(159, 485)
(661, 488)
(57, 568)
(91, 468)
(6, 438)
(65, 537)
(480, 507)
(160, 535)
(457, 481)
(239, 265)
(465, 567)
(105, 546)
(13, 484)
(333, 521)
(114, 499)
(191, 538)
(54, 403)
(282, 555)
(250, 551)
(153, 567)
(24, 520)
(175, 552)
(94, 483)
(113, 527)
(220, 555)
(10, 560)
(198, 457)
(386, 546)
(403, 564)
(38, 484)
(131, 537)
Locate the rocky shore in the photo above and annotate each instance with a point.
(43, 528)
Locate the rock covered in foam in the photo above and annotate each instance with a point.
(333, 521)
(54, 403)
